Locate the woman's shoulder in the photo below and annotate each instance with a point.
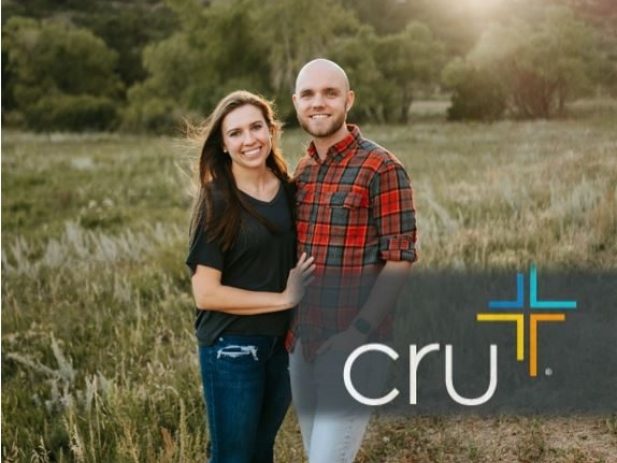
(289, 185)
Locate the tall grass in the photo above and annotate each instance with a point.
(98, 353)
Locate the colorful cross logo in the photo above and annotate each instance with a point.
(534, 318)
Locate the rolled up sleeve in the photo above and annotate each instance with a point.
(394, 213)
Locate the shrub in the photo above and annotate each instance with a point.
(475, 93)
(156, 115)
(72, 113)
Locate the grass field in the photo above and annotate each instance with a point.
(98, 353)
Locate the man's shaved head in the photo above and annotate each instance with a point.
(322, 66)
(322, 99)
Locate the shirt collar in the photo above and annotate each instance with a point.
(341, 148)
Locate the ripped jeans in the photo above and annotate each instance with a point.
(247, 392)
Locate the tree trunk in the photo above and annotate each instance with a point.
(561, 98)
(404, 109)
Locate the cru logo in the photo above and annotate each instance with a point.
(539, 311)
(501, 311)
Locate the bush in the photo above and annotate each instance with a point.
(475, 94)
(479, 97)
(155, 115)
(72, 113)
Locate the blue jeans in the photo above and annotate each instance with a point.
(247, 392)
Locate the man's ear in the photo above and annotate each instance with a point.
(351, 97)
(294, 100)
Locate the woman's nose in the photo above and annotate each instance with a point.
(249, 138)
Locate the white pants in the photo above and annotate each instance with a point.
(331, 433)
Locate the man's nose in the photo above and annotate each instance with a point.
(317, 101)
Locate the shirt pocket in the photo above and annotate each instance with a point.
(337, 219)
(349, 213)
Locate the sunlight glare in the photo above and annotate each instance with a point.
(482, 5)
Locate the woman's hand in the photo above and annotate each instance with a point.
(299, 277)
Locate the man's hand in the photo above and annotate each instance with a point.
(345, 341)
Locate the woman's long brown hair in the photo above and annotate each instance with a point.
(215, 175)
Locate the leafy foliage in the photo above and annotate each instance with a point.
(410, 57)
(538, 65)
(159, 61)
(214, 52)
(230, 45)
(71, 113)
(475, 94)
(57, 68)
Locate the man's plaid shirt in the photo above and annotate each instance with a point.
(354, 212)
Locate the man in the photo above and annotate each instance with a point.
(356, 218)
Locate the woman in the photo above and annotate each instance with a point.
(241, 256)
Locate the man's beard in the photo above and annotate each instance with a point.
(324, 132)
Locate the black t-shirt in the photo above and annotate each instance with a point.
(259, 260)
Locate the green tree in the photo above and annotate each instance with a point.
(476, 94)
(357, 54)
(407, 59)
(155, 103)
(296, 31)
(226, 45)
(384, 16)
(126, 26)
(215, 51)
(51, 59)
(543, 64)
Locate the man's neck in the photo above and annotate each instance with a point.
(323, 144)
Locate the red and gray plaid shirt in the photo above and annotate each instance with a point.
(355, 211)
